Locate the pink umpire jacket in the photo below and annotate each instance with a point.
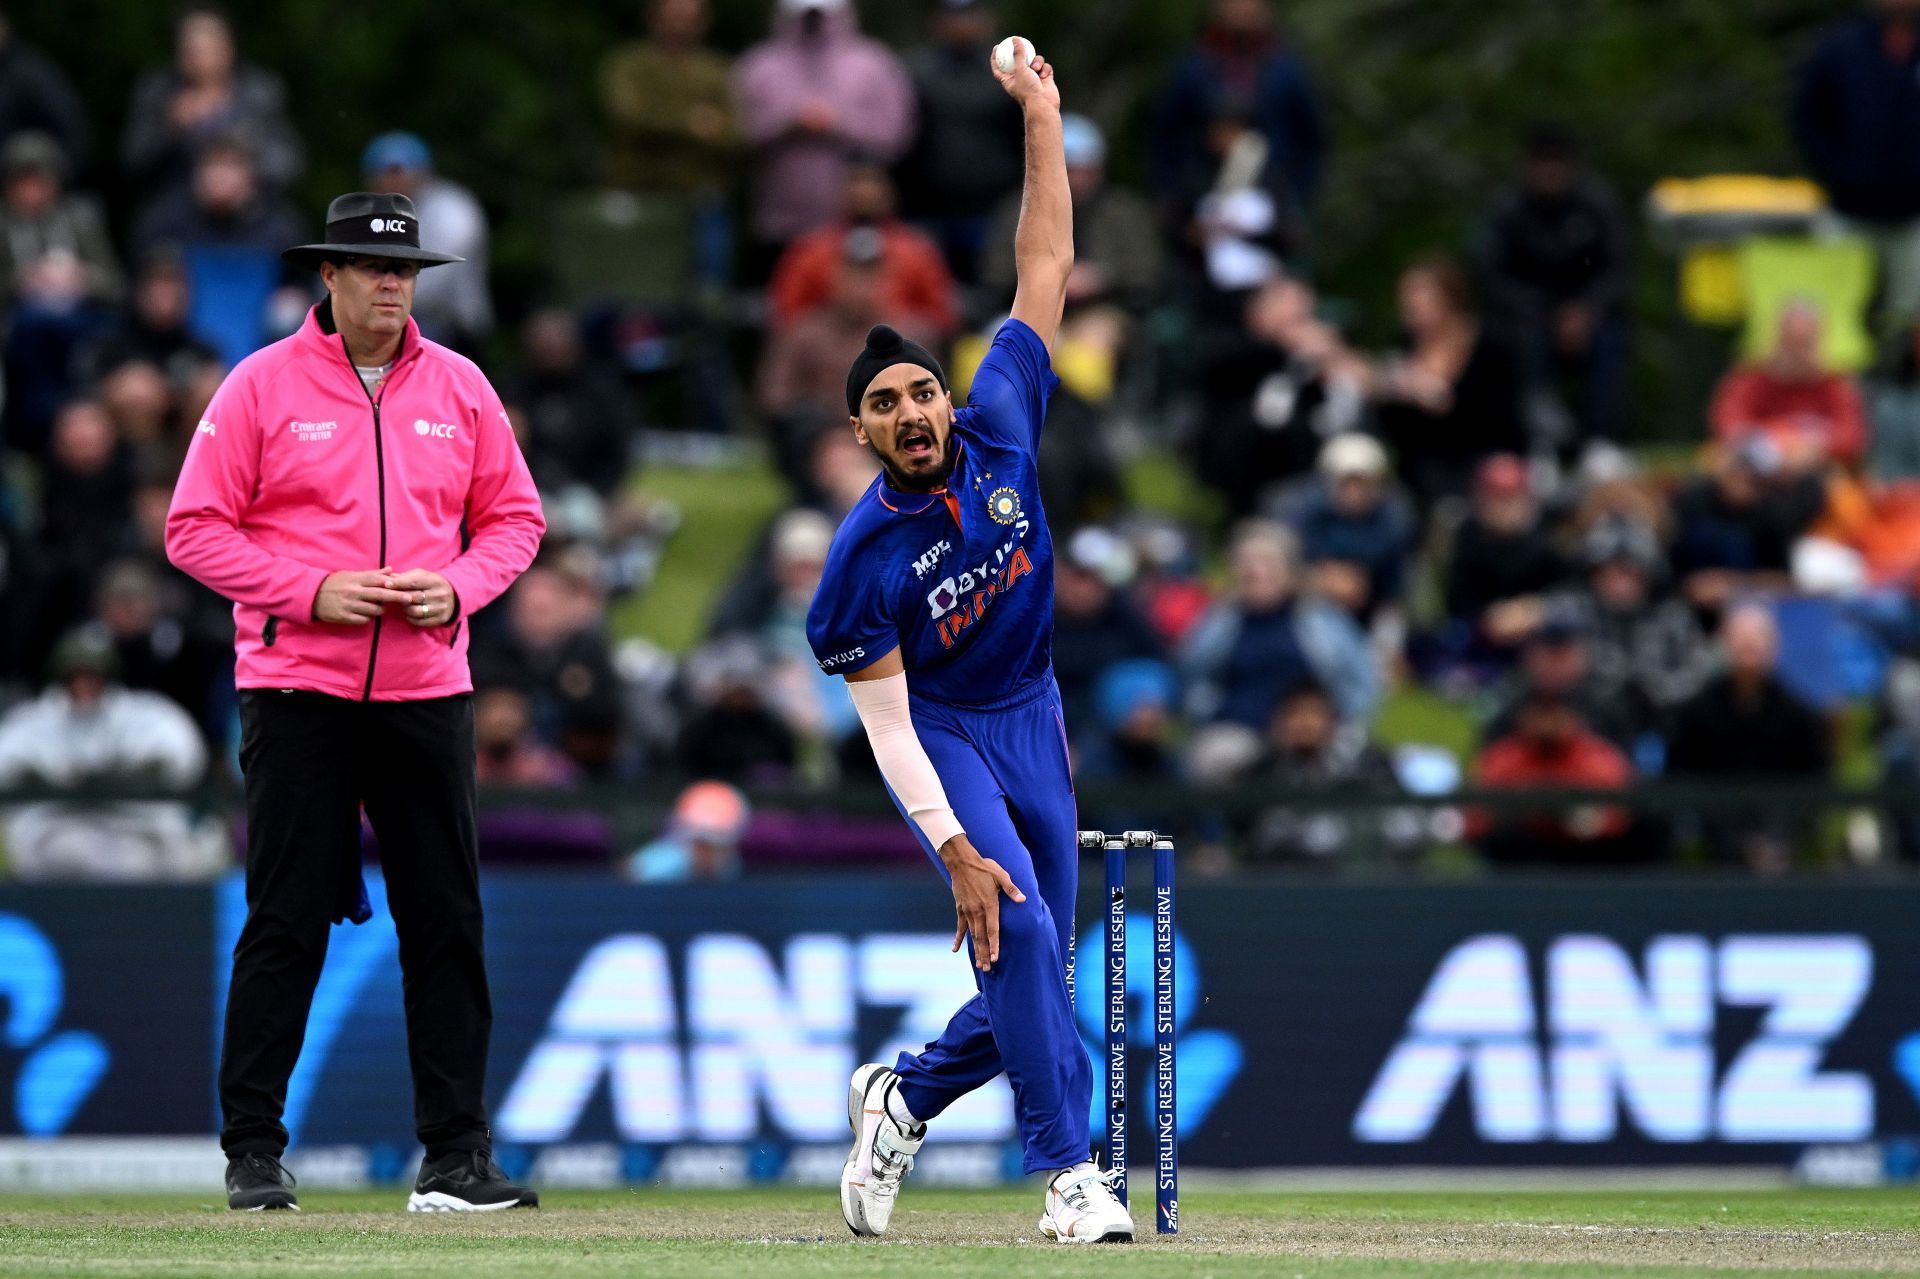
(296, 472)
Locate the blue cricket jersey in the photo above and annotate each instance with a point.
(960, 580)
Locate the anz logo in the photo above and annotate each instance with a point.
(59, 1069)
(1609, 1040)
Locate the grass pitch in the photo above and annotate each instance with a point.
(968, 1233)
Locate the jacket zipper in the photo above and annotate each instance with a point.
(270, 632)
(380, 487)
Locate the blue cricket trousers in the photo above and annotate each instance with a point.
(1005, 770)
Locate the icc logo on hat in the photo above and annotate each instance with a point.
(380, 226)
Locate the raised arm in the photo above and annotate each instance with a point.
(1043, 241)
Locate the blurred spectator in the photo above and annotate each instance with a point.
(553, 648)
(158, 651)
(670, 101)
(508, 752)
(1452, 398)
(1116, 247)
(205, 613)
(1239, 116)
(58, 270)
(581, 425)
(814, 97)
(453, 305)
(40, 221)
(1503, 562)
(1646, 650)
(86, 730)
(1310, 751)
(1273, 391)
(1810, 411)
(1130, 738)
(1550, 745)
(702, 839)
(229, 233)
(803, 375)
(1081, 475)
(140, 402)
(36, 94)
(912, 283)
(1893, 413)
(207, 96)
(1356, 534)
(839, 472)
(812, 702)
(86, 508)
(1855, 112)
(1267, 636)
(1746, 725)
(224, 204)
(1735, 528)
(1556, 662)
(155, 330)
(969, 150)
(1553, 252)
(1095, 624)
(731, 731)
(1169, 590)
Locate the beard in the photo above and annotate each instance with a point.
(922, 483)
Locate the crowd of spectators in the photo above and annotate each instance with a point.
(1452, 516)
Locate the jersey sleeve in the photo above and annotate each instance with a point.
(850, 624)
(1012, 386)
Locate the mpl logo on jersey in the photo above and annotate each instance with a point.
(930, 557)
(1633, 1040)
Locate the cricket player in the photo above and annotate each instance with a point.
(937, 607)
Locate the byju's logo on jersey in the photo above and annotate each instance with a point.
(930, 557)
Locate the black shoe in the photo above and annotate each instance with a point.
(256, 1182)
(466, 1181)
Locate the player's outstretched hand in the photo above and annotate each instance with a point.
(1031, 77)
(977, 884)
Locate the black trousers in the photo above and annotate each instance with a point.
(310, 762)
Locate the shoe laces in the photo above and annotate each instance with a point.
(265, 1165)
(1078, 1192)
(890, 1168)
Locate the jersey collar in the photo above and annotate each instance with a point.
(942, 494)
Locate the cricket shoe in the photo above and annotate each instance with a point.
(258, 1182)
(882, 1153)
(1082, 1208)
(466, 1181)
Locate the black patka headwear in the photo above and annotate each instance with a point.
(885, 348)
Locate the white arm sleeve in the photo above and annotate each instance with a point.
(882, 705)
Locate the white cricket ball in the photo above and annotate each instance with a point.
(1006, 54)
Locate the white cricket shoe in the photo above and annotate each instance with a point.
(1082, 1208)
(882, 1153)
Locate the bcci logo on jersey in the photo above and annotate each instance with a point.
(1003, 504)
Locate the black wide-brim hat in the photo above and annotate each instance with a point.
(369, 224)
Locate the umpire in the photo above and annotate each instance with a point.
(356, 491)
